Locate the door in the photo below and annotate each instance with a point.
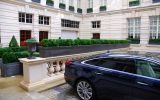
(147, 85)
(69, 35)
(96, 36)
(114, 83)
(43, 35)
(24, 35)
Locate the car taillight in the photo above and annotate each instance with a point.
(68, 62)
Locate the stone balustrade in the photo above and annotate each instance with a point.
(43, 73)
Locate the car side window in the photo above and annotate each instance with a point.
(92, 62)
(121, 64)
(147, 68)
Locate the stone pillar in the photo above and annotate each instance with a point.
(56, 4)
(144, 36)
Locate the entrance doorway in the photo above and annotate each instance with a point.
(24, 35)
(96, 36)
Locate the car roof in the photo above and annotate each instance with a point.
(130, 56)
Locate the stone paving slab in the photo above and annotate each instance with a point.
(63, 92)
(17, 93)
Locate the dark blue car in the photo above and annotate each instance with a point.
(115, 77)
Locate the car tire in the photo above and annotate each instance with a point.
(85, 90)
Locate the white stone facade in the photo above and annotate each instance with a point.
(113, 21)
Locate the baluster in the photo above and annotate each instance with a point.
(63, 66)
(50, 69)
(58, 68)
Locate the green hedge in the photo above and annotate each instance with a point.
(70, 42)
(154, 41)
(11, 49)
(10, 57)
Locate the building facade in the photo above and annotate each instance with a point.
(104, 19)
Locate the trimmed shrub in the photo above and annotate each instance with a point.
(9, 57)
(13, 42)
(4, 50)
(69, 42)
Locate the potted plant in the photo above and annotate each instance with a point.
(32, 47)
(89, 10)
(79, 10)
(57, 47)
(50, 2)
(62, 6)
(102, 8)
(71, 8)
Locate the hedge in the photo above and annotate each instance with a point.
(11, 49)
(70, 42)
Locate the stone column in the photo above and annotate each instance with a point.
(144, 36)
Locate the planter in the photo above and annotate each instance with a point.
(1, 63)
(156, 1)
(49, 4)
(79, 10)
(62, 6)
(11, 69)
(71, 8)
(68, 50)
(38, 1)
(102, 8)
(89, 10)
(134, 3)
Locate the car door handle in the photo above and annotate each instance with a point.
(98, 73)
(142, 83)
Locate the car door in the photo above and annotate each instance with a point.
(147, 85)
(112, 80)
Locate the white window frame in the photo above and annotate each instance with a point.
(78, 3)
(134, 27)
(154, 27)
(90, 3)
(103, 2)
(71, 2)
(62, 1)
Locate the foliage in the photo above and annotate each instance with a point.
(154, 41)
(50, 1)
(70, 42)
(9, 57)
(13, 42)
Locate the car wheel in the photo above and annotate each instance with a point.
(85, 90)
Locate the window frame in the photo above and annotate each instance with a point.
(44, 20)
(96, 24)
(26, 18)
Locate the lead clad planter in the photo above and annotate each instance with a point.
(11, 69)
(68, 50)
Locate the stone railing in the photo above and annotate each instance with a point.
(43, 73)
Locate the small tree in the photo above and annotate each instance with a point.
(13, 42)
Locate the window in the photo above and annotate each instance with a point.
(154, 27)
(62, 1)
(25, 18)
(96, 35)
(134, 28)
(43, 35)
(90, 3)
(121, 64)
(149, 69)
(78, 3)
(44, 20)
(103, 2)
(69, 23)
(156, 1)
(96, 24)
(71, 2)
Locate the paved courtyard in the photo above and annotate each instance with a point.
(10, 90)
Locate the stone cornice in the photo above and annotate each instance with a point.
(52, 9)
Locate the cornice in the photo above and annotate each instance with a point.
(52, 9)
